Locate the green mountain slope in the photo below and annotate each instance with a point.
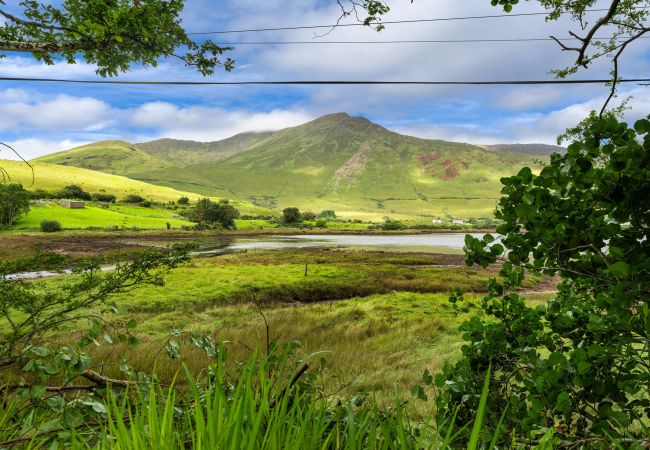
(349, 164)
(357, 168)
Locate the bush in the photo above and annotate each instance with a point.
(327, 214)
(183, 201)
(321, 223)
(133, 198)
(308, 215)
(208, 213)
(146, 203)
(105, 198)
(74, 191)
(393, 225)
(291, 215)
(51, 226)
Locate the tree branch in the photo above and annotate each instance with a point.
(43, 47)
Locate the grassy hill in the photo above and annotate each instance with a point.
(348, 164)
(52, 177)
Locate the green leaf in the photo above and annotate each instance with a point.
(418, 392)
(131, 324)
(72, 418)
(620, 269)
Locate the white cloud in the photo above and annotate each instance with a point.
(203, 123)
(33, 147)
(62, 112)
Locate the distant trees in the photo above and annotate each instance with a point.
(392, 225)
(74, 191)
(291, 215)
(183, 201)
(14, 202)
(208, 212)
(308, 215)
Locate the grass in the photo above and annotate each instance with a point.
(96, 216)
(52, 177)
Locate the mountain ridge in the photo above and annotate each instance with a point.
(337, 161)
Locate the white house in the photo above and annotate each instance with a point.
(457, 222)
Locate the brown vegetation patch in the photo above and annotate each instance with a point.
(426, 159)
(353, 166)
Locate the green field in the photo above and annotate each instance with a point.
(381, 318)
(96, 216)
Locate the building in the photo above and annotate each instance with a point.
(72, 204)
(457, 222)
(437, 221)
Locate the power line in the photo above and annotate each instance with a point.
(322, 82)
(391, 22)
(421, 41)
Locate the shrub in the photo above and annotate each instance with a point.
(133, 198)
(291, 215)
(321, 223)
(183, 201)
(51, 226)
(74, 191)
(308, 215)
(146, 203)
(393, 225)
(209, 213)
(327, 214)
(106, 198)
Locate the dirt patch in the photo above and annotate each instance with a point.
(353, 166)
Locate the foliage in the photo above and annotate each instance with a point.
(133, 199)
(183, 201)
(291, 215)
(580, 363)
(308, 216)
(106, 198)
(391, 224)
(110, 34)
(321, 223)
(14, 202)
(74, 191)
(50, 226)
(208, 212)
(327, 214)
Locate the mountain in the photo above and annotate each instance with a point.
(348, 164)
(123, 158)
(531, 149)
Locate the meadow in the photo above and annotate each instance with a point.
(378, 319)
(119, 216)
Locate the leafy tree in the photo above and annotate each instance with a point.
(74, 191)
(582, 359)
(308, 215)
(391, 224)
(208, 212)
(183, 201)
(113, 34)
(291, 215)
(14, 202)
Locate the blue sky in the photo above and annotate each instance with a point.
(39, 119)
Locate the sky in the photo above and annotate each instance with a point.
(38, 119)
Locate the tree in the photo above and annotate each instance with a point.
(183, 201)
(113, 34)
(582, 359)
(14, 202)
(106, 198)
(327, 214)
(74, 191)
(291, 215)
(208, 212)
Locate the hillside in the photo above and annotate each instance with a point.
(348, 164)
(52, 177)
(123, 158)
